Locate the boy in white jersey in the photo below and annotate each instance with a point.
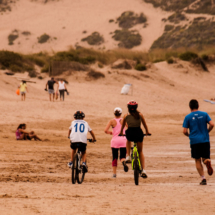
(78, 137)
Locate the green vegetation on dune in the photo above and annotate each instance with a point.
(5, 5)
(129, 19)
(94, 39)
(128, 39)
(177, 18)
(206, 6)
(43, 38)
(198, 35)
(170, 5)
(15, 62)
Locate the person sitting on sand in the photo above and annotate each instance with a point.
(23, 89)
(50, 84)
(21, 134)
(117, 143)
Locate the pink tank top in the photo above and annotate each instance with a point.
(18, 134)
(118, 142)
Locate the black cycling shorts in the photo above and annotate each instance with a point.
(78, 145)
(200, 150)
(134, 134)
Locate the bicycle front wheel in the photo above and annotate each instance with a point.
(136, 169)
(74, 168)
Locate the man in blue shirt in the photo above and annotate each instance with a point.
(197, 123)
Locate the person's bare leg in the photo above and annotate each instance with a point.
(84, 155)
(21, 97)
(114, 170)
(72, 154)
(128, 147)
(140, 150)
(199, 167)
(24, 96)
(53, 97)
(50, 98)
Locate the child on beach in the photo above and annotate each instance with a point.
(23, 89)
(78, 137)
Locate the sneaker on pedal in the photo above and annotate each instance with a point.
(144, 174)
(203, 182)
(70, 164)
(128, 159)
(85, 168)
(125, 166)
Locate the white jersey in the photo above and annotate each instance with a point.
(79, 129)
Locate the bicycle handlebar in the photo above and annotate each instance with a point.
(91, 140)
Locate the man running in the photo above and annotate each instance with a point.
(197, 122)
(50, 84)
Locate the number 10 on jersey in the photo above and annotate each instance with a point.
(81, 127)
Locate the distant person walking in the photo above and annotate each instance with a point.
(62, 88)
(50, 84)
(117, 143)
(197, 122)
(23, 89)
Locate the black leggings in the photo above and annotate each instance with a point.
(62, 94)
(115, 155)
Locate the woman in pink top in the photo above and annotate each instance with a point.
(117, 143)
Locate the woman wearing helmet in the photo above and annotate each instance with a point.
(117, 143)
(134, 132)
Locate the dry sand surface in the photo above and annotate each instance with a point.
(34, 175)
(67, 19)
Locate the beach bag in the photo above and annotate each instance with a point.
(17, 92)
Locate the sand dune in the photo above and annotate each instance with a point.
(66, 20)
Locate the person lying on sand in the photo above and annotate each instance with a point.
(21, 134)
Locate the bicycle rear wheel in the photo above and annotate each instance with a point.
(74, 168)
(136, 169)
(80, 175)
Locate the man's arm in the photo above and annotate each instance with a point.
(46, 85)
(185, 132)
(211, 126)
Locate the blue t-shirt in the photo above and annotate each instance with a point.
(197, 123)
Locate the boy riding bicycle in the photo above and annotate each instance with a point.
(78, 137)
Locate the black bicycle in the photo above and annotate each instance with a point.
(78, 172)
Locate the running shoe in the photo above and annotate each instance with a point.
(85, 168)
(209, 167)
(70, 164)
(128, 159)
(143, 174)
(125, 166)
(114, 176)
(203, 182)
